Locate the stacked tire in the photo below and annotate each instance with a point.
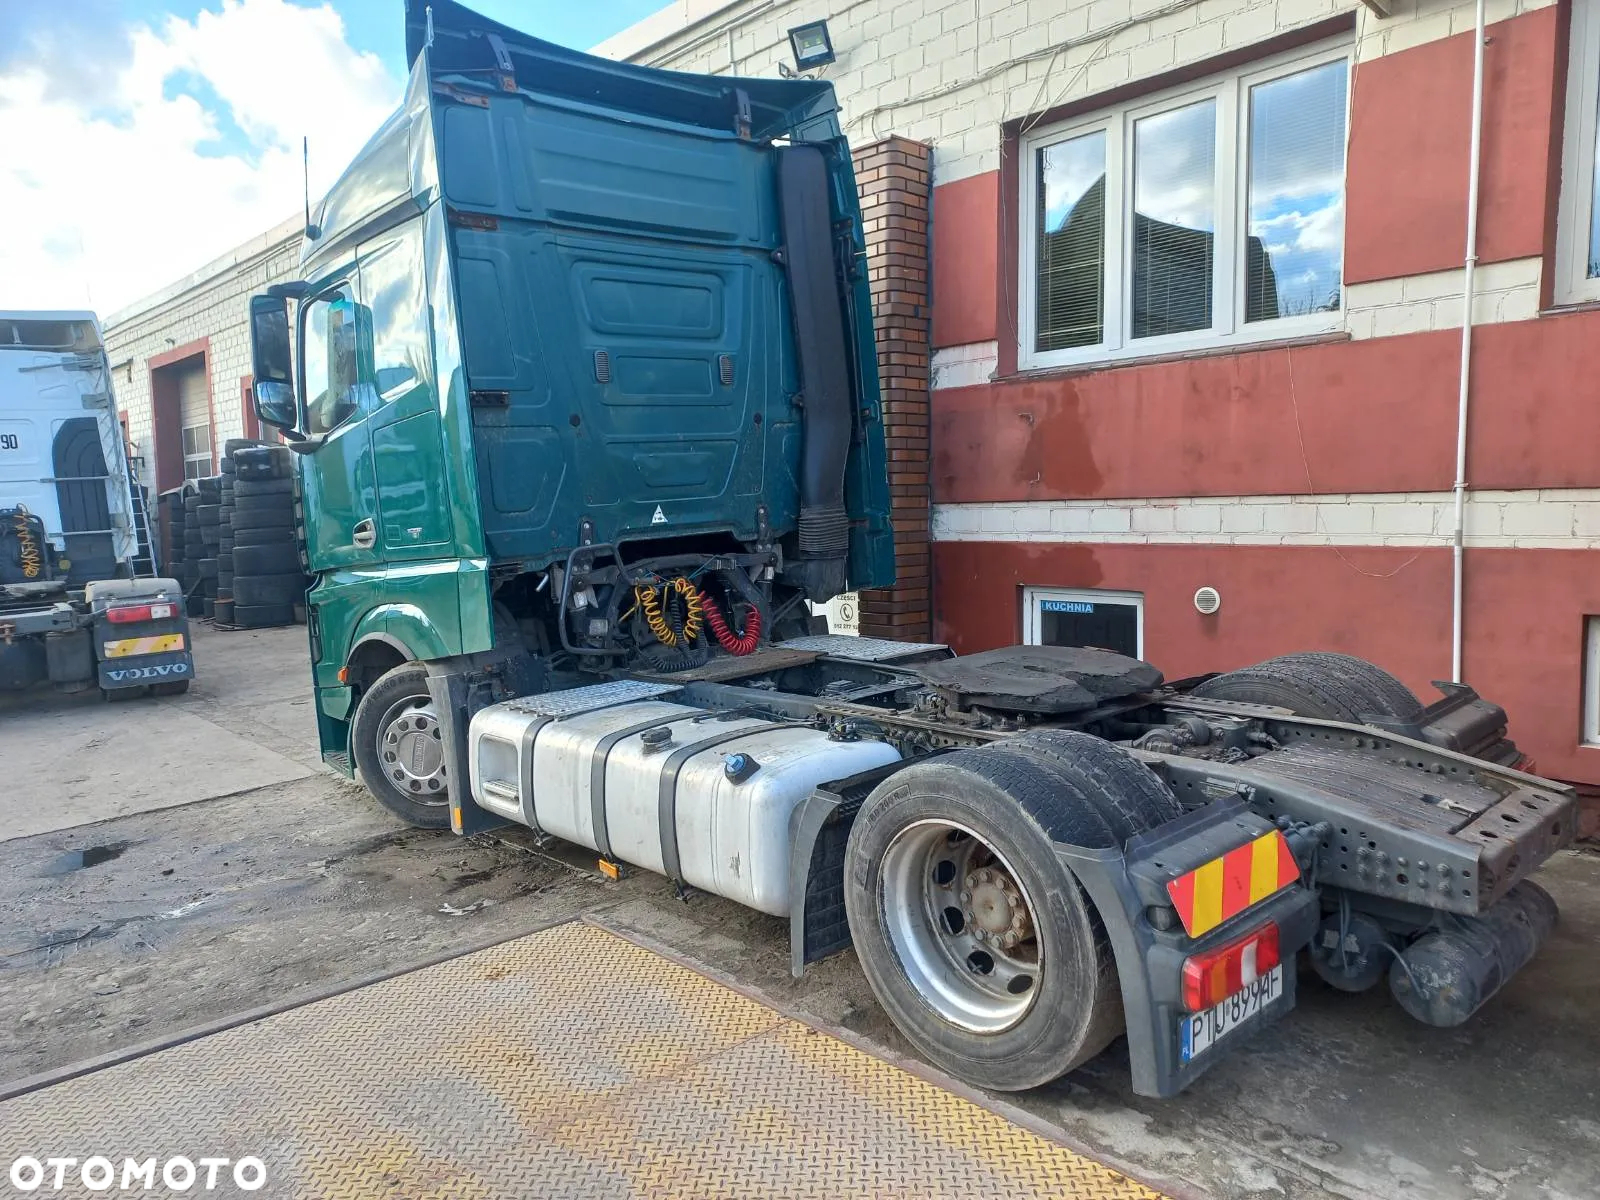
(201, 534)
(223, 610)
(265, 582)
(209, 514)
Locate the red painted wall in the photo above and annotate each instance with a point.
(965, 239)
(1387, 604)
(1375, 415)
(1409, 149)
(1535, 419)
(1367, 416)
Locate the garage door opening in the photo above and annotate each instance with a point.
(1103, 620)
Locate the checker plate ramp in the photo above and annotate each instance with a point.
(569, 1062)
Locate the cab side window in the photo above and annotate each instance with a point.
(393, 285)
(331, 361)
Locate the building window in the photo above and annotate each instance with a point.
(1099, 619)
(197, 450)
(1591, 681)
(1577, 263)
(1206, 216)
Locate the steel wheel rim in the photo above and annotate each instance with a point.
(411, 751)
(948, 900)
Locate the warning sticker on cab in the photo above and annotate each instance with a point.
(127, 647)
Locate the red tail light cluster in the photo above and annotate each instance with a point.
(129, 613)
(1210, 978)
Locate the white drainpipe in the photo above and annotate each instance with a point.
(1468, 283)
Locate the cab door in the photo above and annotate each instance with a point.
(415, 515)
(341, 492)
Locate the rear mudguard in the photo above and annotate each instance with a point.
(1126, 887)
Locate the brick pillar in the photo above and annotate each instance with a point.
(893, 178)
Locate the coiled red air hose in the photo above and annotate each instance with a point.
(719, 628)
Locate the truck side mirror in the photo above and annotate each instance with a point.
(273, 394)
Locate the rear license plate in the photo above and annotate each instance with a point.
(162, 644)
(1202, 1030)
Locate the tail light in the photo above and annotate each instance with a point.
(1210, 978)
(129, 613)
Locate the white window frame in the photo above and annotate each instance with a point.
(206, 457)
(1229, 89)
(1572, 284)
(1033, 612)
(1591, 681)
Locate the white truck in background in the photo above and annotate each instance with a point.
(74, 609)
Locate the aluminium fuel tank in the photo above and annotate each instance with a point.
(698, 795)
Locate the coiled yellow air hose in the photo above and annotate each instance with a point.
(649, 600)
(28, 546)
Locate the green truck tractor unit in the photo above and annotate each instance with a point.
(561, 306)
(582, 383)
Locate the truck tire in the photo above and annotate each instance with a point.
(173, 687)
(1007, 1017)
(263, 487)
(263, 462)
(274, 535)
(262, 616)
(266, 560)
(246, 519)
(399, 750)
(1126, 793)
(1331, 687)
(209, 514)
(287, 588)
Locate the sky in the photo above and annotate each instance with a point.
(143, 139)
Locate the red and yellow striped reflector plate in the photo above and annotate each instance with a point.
(1224, 887)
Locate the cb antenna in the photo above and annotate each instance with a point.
(312, 231)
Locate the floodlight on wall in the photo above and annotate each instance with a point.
(811, 46)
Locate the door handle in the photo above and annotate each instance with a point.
(364, 535)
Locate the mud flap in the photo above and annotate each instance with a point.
(451, 694)
(1126, 887)
(145, 669)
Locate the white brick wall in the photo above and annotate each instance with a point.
(950, 72)
(964, 366)
(211, 303)
(1562, 519)
(1413, 22)
(1505, 291)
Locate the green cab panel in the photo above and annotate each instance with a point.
(431, 610)
(629, 352)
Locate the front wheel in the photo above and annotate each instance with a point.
(979, 945)
(399, 748)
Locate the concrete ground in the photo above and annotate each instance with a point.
(168, 862)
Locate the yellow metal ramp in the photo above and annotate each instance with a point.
(569, 1062)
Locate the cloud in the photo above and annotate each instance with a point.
(185, 144)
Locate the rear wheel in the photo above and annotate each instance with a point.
(979, 945)
(1332, 687)
(399, 748)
